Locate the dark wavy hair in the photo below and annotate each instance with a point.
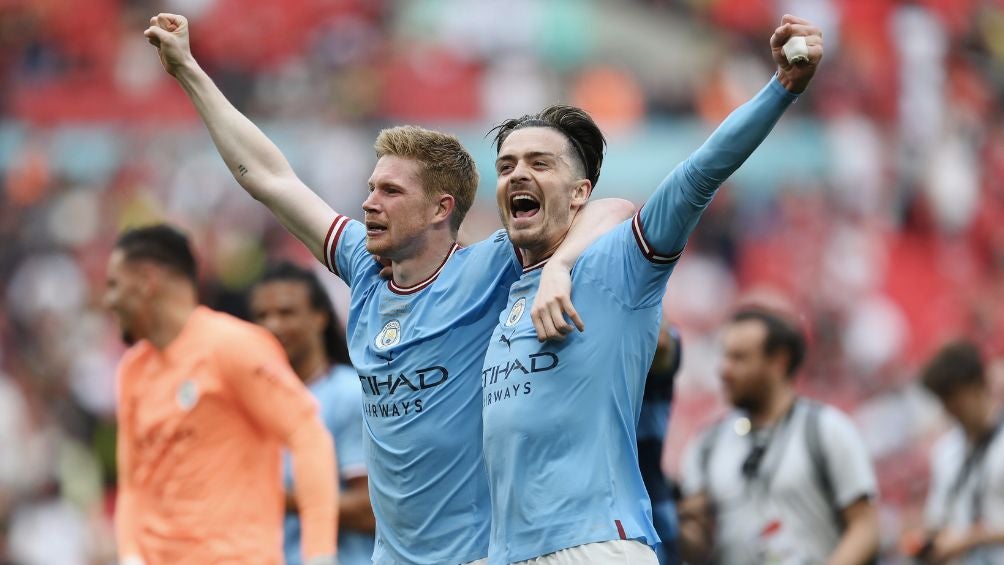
(575, 124)
(334, 338)
(956, 365)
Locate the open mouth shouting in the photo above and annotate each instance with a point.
(522, 205)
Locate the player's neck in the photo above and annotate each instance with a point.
(425, 262)
(169, 319)
(312, 366)
(534, 255)
(774, 408)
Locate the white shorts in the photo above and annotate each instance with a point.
(613, 552)
(482, 561)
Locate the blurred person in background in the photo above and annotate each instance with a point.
(422, 418)
(289, 301)
(780, 479)
(205, 403)
(965, 505)
(652, 425)
(560, 418)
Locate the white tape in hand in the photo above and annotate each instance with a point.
(795, 50)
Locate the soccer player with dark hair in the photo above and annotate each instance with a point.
(290, 302)
(205, 404)
(417, 341)
(560, 418)
(965, 506)
(780, 479)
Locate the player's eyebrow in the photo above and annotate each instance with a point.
(528, 155)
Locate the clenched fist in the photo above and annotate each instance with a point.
(796, 76)
(169, 34)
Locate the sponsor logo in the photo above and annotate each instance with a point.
(516, 312)
(188, 394)
(535, 363)
(495, 379)
(389, 336)
(506, 392)
(393, 409)
(422, 379)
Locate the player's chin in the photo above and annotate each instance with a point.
(378, 245)
(521, 236)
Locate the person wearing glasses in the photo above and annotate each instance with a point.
(780, 479)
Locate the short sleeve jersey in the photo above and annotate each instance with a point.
(202, 423)
(418, 352)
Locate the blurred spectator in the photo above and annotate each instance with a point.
(965, 507)
(780, 479)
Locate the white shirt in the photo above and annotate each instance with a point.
(953, 509)
(781, 515)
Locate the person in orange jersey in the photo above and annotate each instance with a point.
(206, 402)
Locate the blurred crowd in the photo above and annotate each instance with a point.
(875, 209)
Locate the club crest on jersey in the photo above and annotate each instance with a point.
(188, 394)
(389, 336)
(516, 312)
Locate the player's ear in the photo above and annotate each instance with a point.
(580, 193)
(779, 363)
(149, 277)
(445, 205)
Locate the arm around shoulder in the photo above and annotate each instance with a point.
(554, 295)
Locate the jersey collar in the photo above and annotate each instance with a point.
(417, 287)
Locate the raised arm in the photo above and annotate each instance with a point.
(255, 162)
(553, 301)
(669, 217)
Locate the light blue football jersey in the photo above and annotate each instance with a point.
(418, 352)
(338, 396)
(560, 417)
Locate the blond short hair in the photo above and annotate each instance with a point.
(445, 166)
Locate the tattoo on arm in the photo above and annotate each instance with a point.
(242, 169)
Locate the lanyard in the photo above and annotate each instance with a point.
(763, 453)
(973, 466)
